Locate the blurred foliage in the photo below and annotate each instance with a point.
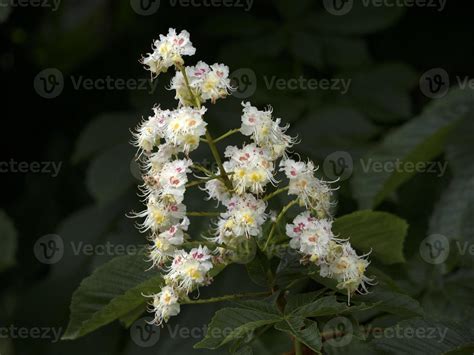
(383, 116)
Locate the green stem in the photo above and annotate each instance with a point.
(227, 134)
(202, 181)
(275, 193)
(226, 298)
(202, 169)
(298, 348)
(280, 216)
(209, 139)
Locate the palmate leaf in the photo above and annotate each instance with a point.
(452, 216)
(304, 330)
(420, 140)
(115, 291)
(319, 307)
(234, 323)
(420, 336)
(379, 232)
(391, 302)
(111, 292)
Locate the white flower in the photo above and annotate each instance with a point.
(217, 190)
(244, 217)
(311, 236)
(346, 267)
(160, 215)
(168, 51)
(172, 179)
(312, 192)
(185, 128)
(151, 130)
(265, 132)
(190, 270)
(165, 305)
(158, 159)
(206, 83)
(252, 168)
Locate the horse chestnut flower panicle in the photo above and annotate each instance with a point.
(240, 184)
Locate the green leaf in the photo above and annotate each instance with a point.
(236, 323)
(359, 19)
(391, 302)
(298, 300)
(452, 216)
(431, 337)
(110, 174)
(110, 293)
(128, 319)
(381, 232)
(8, 242)
(320, 307)
(420, 140)
(104, 132)
(383, 92)
(304, 330)
(259, 270)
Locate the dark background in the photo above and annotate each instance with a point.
(96, 38)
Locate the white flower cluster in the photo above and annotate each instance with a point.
(165, 141)
(244, 217)
(314, 239)
(311, 192)
(181, 129)
(206, 83)
(168, 51)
